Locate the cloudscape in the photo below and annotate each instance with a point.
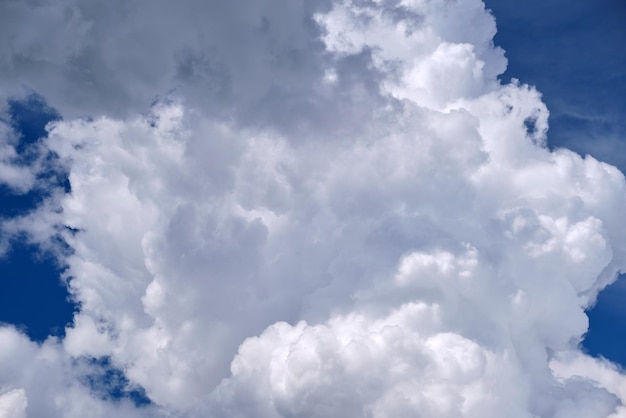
(300, 208)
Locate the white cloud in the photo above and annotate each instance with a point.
(346, 219)
(43, 381)
(17, 176)
(13, 404)
(400, 365)
(424, 49)
(576, 365)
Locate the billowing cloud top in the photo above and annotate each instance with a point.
(306, 209)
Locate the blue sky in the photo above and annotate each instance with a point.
(236, 197)
(35, 297)
(571, 52)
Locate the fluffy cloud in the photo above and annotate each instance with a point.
(332, 209)
(14, 173)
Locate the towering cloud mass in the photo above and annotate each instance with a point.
(306, 209)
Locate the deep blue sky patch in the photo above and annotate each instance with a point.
(607, 324)
(573, 52)
(33, 297)
(32, 294)
(29, 117)
(111, 384)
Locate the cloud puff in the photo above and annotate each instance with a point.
(393, 366)
(13, 404)
(15, 174)
(426, 50)
(338, 211)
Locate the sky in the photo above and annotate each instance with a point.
(587, 119)
(317, 208)
(570, 52)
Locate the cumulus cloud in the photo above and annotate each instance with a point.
(328, 209)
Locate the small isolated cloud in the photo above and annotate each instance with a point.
(329, 209)
(13, 173)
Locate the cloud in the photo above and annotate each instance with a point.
(426, 50)
(90, 58)
(16, 175)
(393, 366)
(329, 209)
(13, 404)
(43, 381)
